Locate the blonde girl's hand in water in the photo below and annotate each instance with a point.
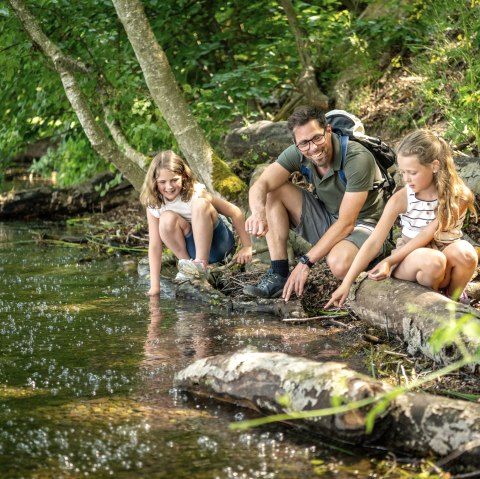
(339, 296)
(153, 291)
(380, 271)
(244, 255)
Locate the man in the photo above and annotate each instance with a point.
(335, 219)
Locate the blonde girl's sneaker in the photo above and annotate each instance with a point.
(463, 298)
(190, 269)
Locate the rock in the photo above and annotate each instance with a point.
(264, 138)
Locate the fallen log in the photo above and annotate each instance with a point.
(49, 202)
(414, 423)
(412, 313)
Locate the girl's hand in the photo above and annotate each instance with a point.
(381, 271)
(243, 256)
(153, 291)
(339, 296)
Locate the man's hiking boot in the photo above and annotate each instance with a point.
(270, 286)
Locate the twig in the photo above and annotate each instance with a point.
(323, 316)
(393, 353)
(458, 452)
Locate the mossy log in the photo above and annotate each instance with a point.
(415, 423)
(49, 202)
(412, 313)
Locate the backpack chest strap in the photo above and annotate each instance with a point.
(341, 173)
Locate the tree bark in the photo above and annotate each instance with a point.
(47, 202)
(414, 423)
(412, 313)
(132, 170)
(166, 94)
(306, 82)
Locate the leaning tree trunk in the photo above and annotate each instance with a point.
(412, 313)
(132, 168)
(206, 165)
(413, 423)
(306, 82)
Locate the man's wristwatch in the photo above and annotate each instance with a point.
(306, 260)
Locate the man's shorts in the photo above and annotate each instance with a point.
(316, 220)
(223, 242)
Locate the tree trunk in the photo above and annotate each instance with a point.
(306, 82)
(414, 423)
(133, 171)
(412, 313)
(47, 202)
(206, 165)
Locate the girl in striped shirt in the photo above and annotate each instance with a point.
(432, 207)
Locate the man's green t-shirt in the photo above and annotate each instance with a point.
(361, 172)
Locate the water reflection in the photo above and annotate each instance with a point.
(86, 368)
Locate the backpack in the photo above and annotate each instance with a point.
(350, 127)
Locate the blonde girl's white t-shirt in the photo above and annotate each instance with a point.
(182, 208)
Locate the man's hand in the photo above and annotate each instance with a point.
(296, 281)
(256, 224)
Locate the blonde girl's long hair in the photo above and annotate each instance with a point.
(150, 196)
(453, 194)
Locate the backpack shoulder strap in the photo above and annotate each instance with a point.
(341, 173)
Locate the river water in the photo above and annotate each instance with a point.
(86, 368)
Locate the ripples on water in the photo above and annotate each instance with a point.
(86, 367)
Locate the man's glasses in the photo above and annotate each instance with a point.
(317, 140)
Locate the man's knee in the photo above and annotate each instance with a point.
(341, 258)
(338, 266)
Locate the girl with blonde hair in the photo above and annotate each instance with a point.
(432, 207)
(187, 219)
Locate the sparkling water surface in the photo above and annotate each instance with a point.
(86, 368)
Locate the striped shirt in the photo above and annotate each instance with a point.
(418, 215)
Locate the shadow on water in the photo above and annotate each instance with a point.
(86, 368)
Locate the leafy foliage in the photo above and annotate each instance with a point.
(235, 61)
(449, 64)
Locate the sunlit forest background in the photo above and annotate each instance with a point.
(399, 65)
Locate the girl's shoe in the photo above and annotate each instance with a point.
(190, 269)
(463, 298)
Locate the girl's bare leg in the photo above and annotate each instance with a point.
(462, 260)
(204, 217)
(426, 266)
(173, 229)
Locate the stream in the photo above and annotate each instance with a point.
(86, 368)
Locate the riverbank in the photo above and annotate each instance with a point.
(383, 356)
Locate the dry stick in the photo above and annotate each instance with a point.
(458, 452)
(393, 353)
(323, 316)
